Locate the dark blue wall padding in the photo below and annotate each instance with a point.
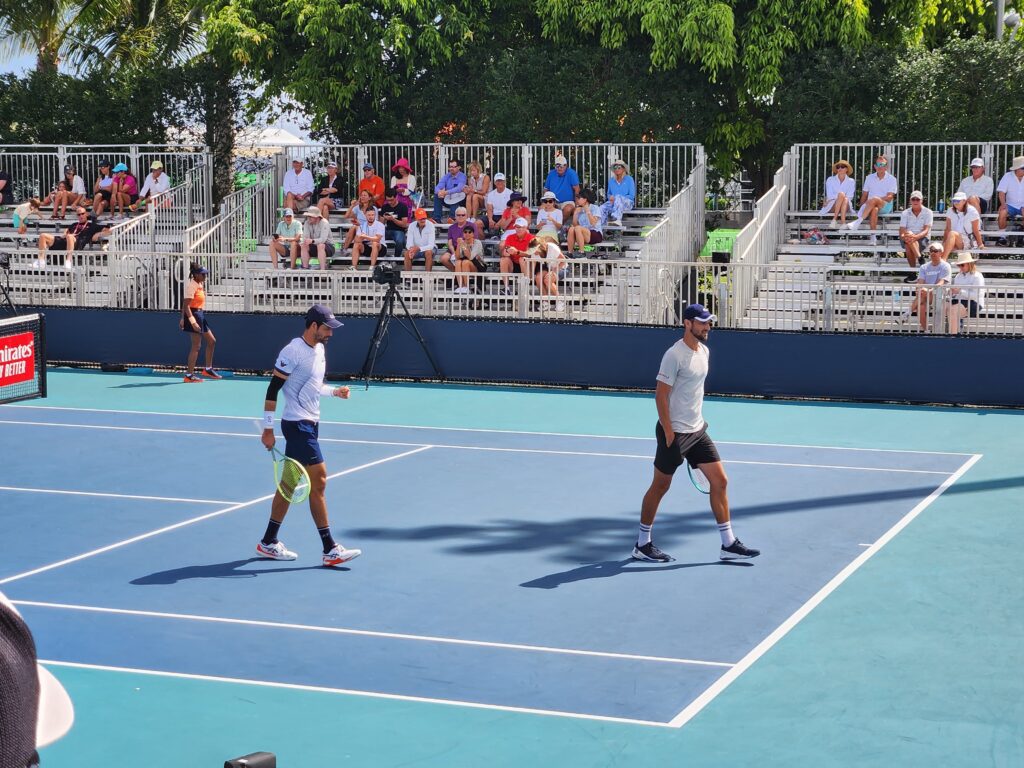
(933, 369)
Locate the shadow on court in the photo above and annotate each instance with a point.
(147, 384)
(611, 568)
(229, 570)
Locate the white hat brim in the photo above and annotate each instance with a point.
(56, 713)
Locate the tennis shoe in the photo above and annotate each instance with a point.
(275, 551)
(211, 374)
(737, 551)
(651, 554)
(339, 555)
(191, 378)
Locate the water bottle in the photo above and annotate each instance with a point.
(941, 207)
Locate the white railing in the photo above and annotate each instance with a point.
(134, 235)
(245, 216)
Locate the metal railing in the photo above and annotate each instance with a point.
(134, 235)
(934, 168)
(245, 216)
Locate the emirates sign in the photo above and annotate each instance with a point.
(17, 358)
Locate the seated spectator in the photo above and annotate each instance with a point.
(404, 183)
(298, 187)
(586, 223)
(549, 217)
(564, 183)
(551, 266)
(514, 248)
(915, 228)
(967, 296)
(373, 184)
(75, 238)
(125, 190)
(1011, 195)
(6, 189)
(420, 242)
(103, 189)
(70, 192)
(448, 194)
(370, 234)
(840, 188)
(469, 257)
(156, 183)
(877, 196)
(496, 202)
(978, 187)
(287, 239)
(328, 193)
(316, 233)
(357, 216)
(477, 186)
(963, 226)
(516, 210)
(455, 231)
(621, 194)
(936, 271)
(22, 212)
(395, 215)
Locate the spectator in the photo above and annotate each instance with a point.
(395, 215)
(405, 183)
(193, 321)
(103, 189)
(915, 227)
(357, 216)
(621, 194)
(316, 233)
(75, 238)
(449, 191)
(298, 187)
(125, 191)
(1011, 195)
(978, 187)
(287, 239)
(156, 183)
(478, 185)
(370, 234)
(549, 216)
(516, 210)
(839, 191)
(936, 271)
(967, 296)
(373, 184)
(516, 246)
(455, 232)
(497, 201)
(586, 223)
(21, 213)
(421, 239)
(69, 193)
(963, 226)
(328, 193)
(469, 257)
(565, 184)
(6, 189)
(877, 196)
(552, 265)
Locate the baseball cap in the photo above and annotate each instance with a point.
(935, 246)
(977, 163)
(120, 167)
(104, 163)
(332, 164)
(69, 169)
(367, 166)
(916, 195)
(321, 315)
(200, 271)
(420, 214)
(697, 312)
(499, 176)
(959, 197)
(548, 196)
(560, 160)
(156, 164)
(521, 222)
(289, 212)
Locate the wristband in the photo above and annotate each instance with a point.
(327, 390)
(268, 419)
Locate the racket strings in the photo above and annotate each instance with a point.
(292, 480)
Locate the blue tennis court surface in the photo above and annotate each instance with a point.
(496, 573)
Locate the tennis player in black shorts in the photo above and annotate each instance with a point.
(683, 436)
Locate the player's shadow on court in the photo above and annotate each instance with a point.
(148, 384)
(234, 569)
(610, 568)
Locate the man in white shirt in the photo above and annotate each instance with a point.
(877, 196)
(683, 437)
(157, 182)
(420, 241)
(978, 187)
(299, 371)
(1011, 194)
(497, 201)
(298, 187)
(370, 234)
(936, 271)
(915, 226)
(316, 233)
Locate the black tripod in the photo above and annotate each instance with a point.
(5, 289)
(387, 314)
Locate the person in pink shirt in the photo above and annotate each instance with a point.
(124, 192)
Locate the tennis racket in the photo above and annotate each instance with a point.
(698, 478)
(290, 476)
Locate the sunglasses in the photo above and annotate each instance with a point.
(614, 167)
(880, 165)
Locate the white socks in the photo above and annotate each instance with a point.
(644, 537)
(725, 531)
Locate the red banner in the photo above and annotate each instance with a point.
(17, 358)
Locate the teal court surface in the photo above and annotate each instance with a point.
(495, 617)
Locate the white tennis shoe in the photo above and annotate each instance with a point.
(275, 551)
(339, 555)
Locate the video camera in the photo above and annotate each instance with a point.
(387, 274)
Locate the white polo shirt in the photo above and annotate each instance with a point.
(876, 187)
(684, 370)
(425, 239)
(963, 222)
(305, 367)
(916, 222)
(981, 189)
(498, 200)
(300, 183)
(1014, 189)
(154, 186)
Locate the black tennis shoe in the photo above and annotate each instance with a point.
(737, 551)
(651, 554)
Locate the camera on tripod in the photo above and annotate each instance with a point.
(387, 274)
(5, 261)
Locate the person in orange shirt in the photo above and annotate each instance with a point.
(193, 321)
(373, 184)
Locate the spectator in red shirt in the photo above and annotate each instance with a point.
(373, 184)
(516, 210)
(515, 246)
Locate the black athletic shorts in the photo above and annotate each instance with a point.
(695, 447)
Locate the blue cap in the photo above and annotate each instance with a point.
(321, 315)
(367, 166)
(120, 167)
(697, 312)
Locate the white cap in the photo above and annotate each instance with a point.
(935, 246)
(521, 222)
(289, 212)
(959, 197)
(916, 195)
(977, 163)
(499, 176)
(549, 195)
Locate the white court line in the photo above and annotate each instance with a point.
(368, 694)
(373, 633)
(192, 520)
(476, 429)
(113, 495)
(765, 645)
(600, 454)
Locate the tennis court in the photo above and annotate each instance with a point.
(495, 616)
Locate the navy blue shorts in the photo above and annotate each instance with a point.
(200, 317)
(301, 441)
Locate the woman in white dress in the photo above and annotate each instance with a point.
(840, 189)
(967, 296)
